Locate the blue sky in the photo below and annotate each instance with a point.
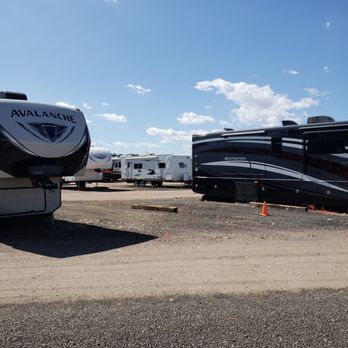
(149, 73)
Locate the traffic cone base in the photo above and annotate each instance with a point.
(264, 211)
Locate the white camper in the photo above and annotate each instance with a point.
(99, 159)
(39, 143)
(156, 169)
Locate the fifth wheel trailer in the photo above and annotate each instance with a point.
(39, 143)
(156, 169)
(99, 159)
(293, 164)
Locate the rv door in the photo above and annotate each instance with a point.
(129, 170)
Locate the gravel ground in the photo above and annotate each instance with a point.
(317, 318)
(205, 219)
(214, 274)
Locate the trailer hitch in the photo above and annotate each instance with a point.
(44, 183)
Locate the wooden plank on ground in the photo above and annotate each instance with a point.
(278, 206)
(155, 207)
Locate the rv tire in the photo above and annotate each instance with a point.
(81, 185)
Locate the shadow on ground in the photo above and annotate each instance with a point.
(62, 239)
(95, 189)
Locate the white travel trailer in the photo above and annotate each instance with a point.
(156, 169)
(99, 159)
(39, 143)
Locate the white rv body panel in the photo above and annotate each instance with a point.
(157, 168)
(99, 158)
(179, 168)
(90, 175)
(20, 197)
(24, 131)
(39, 143)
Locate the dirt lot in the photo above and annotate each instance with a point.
(99, 248)
(106, 249)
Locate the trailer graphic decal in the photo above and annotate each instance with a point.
(48, 132)
(275, 169)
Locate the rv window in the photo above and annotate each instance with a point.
(128, 165)
(276, 146)
(325, 146)
(161, 165)
(138, 165)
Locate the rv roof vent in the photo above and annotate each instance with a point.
(12, 95)
(319, 119)
(289, 123)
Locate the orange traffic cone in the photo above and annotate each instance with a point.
(264, 209)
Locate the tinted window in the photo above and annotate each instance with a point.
(276, 146)
(161, 165)
(325, 146)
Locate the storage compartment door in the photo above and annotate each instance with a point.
(22, 200)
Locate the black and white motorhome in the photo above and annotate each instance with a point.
(292, 164)
(39, 143)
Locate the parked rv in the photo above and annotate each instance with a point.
(39, 143)
(113, 173)
(99, 159)
(156, 169)
(293, 164)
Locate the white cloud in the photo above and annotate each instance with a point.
(66, 105)
(86, 106)
(139, 89)
(193, 118)
(326, 69)
(316, 93)
(141, 145)
(207, 107)
(100, 143)
(113, 1)
(104, 104)
(327, 25)
(170, 135)
(225, 123)
(114, 117)
(290, 72)
(257, 105)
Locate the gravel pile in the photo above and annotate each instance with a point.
(306, 319)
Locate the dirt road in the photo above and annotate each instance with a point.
(124, 192)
